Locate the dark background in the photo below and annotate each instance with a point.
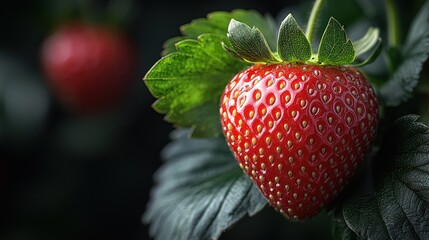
(65, 176)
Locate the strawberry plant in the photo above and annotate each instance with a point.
(268, 114)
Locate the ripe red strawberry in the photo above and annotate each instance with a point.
(89, 67)
(299, 131)
(299, 123)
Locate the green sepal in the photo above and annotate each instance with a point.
(232, 52)
(374, 54)
(292, 44)
(335, 48)
(367, 42)
(249, 43)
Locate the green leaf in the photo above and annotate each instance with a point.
(340, 230)
(217, 22)
(190, 78)
(200, 191)
(415, 52)
(367, 42)
(249, 43)
(399, 206)
(335, 48)
(170, 45)
(189, 82)
(292, 43)
(266, 24)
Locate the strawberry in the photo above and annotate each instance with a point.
(299, 131)
(90, 67)
(298, 128)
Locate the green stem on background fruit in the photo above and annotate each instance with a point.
(311, 25)
(86, 11)
(392, 24)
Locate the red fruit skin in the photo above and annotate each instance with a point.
(89, 67)
(299, 131)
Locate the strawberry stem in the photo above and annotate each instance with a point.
(311, 25)
(392, 24)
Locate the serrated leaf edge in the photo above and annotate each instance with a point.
(292, 44)
(254, 47)
(332, 25)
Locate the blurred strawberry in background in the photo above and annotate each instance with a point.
(90, 67)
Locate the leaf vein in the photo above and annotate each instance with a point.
(378, 202)
(407, 219)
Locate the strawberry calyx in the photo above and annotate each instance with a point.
(294, 46)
